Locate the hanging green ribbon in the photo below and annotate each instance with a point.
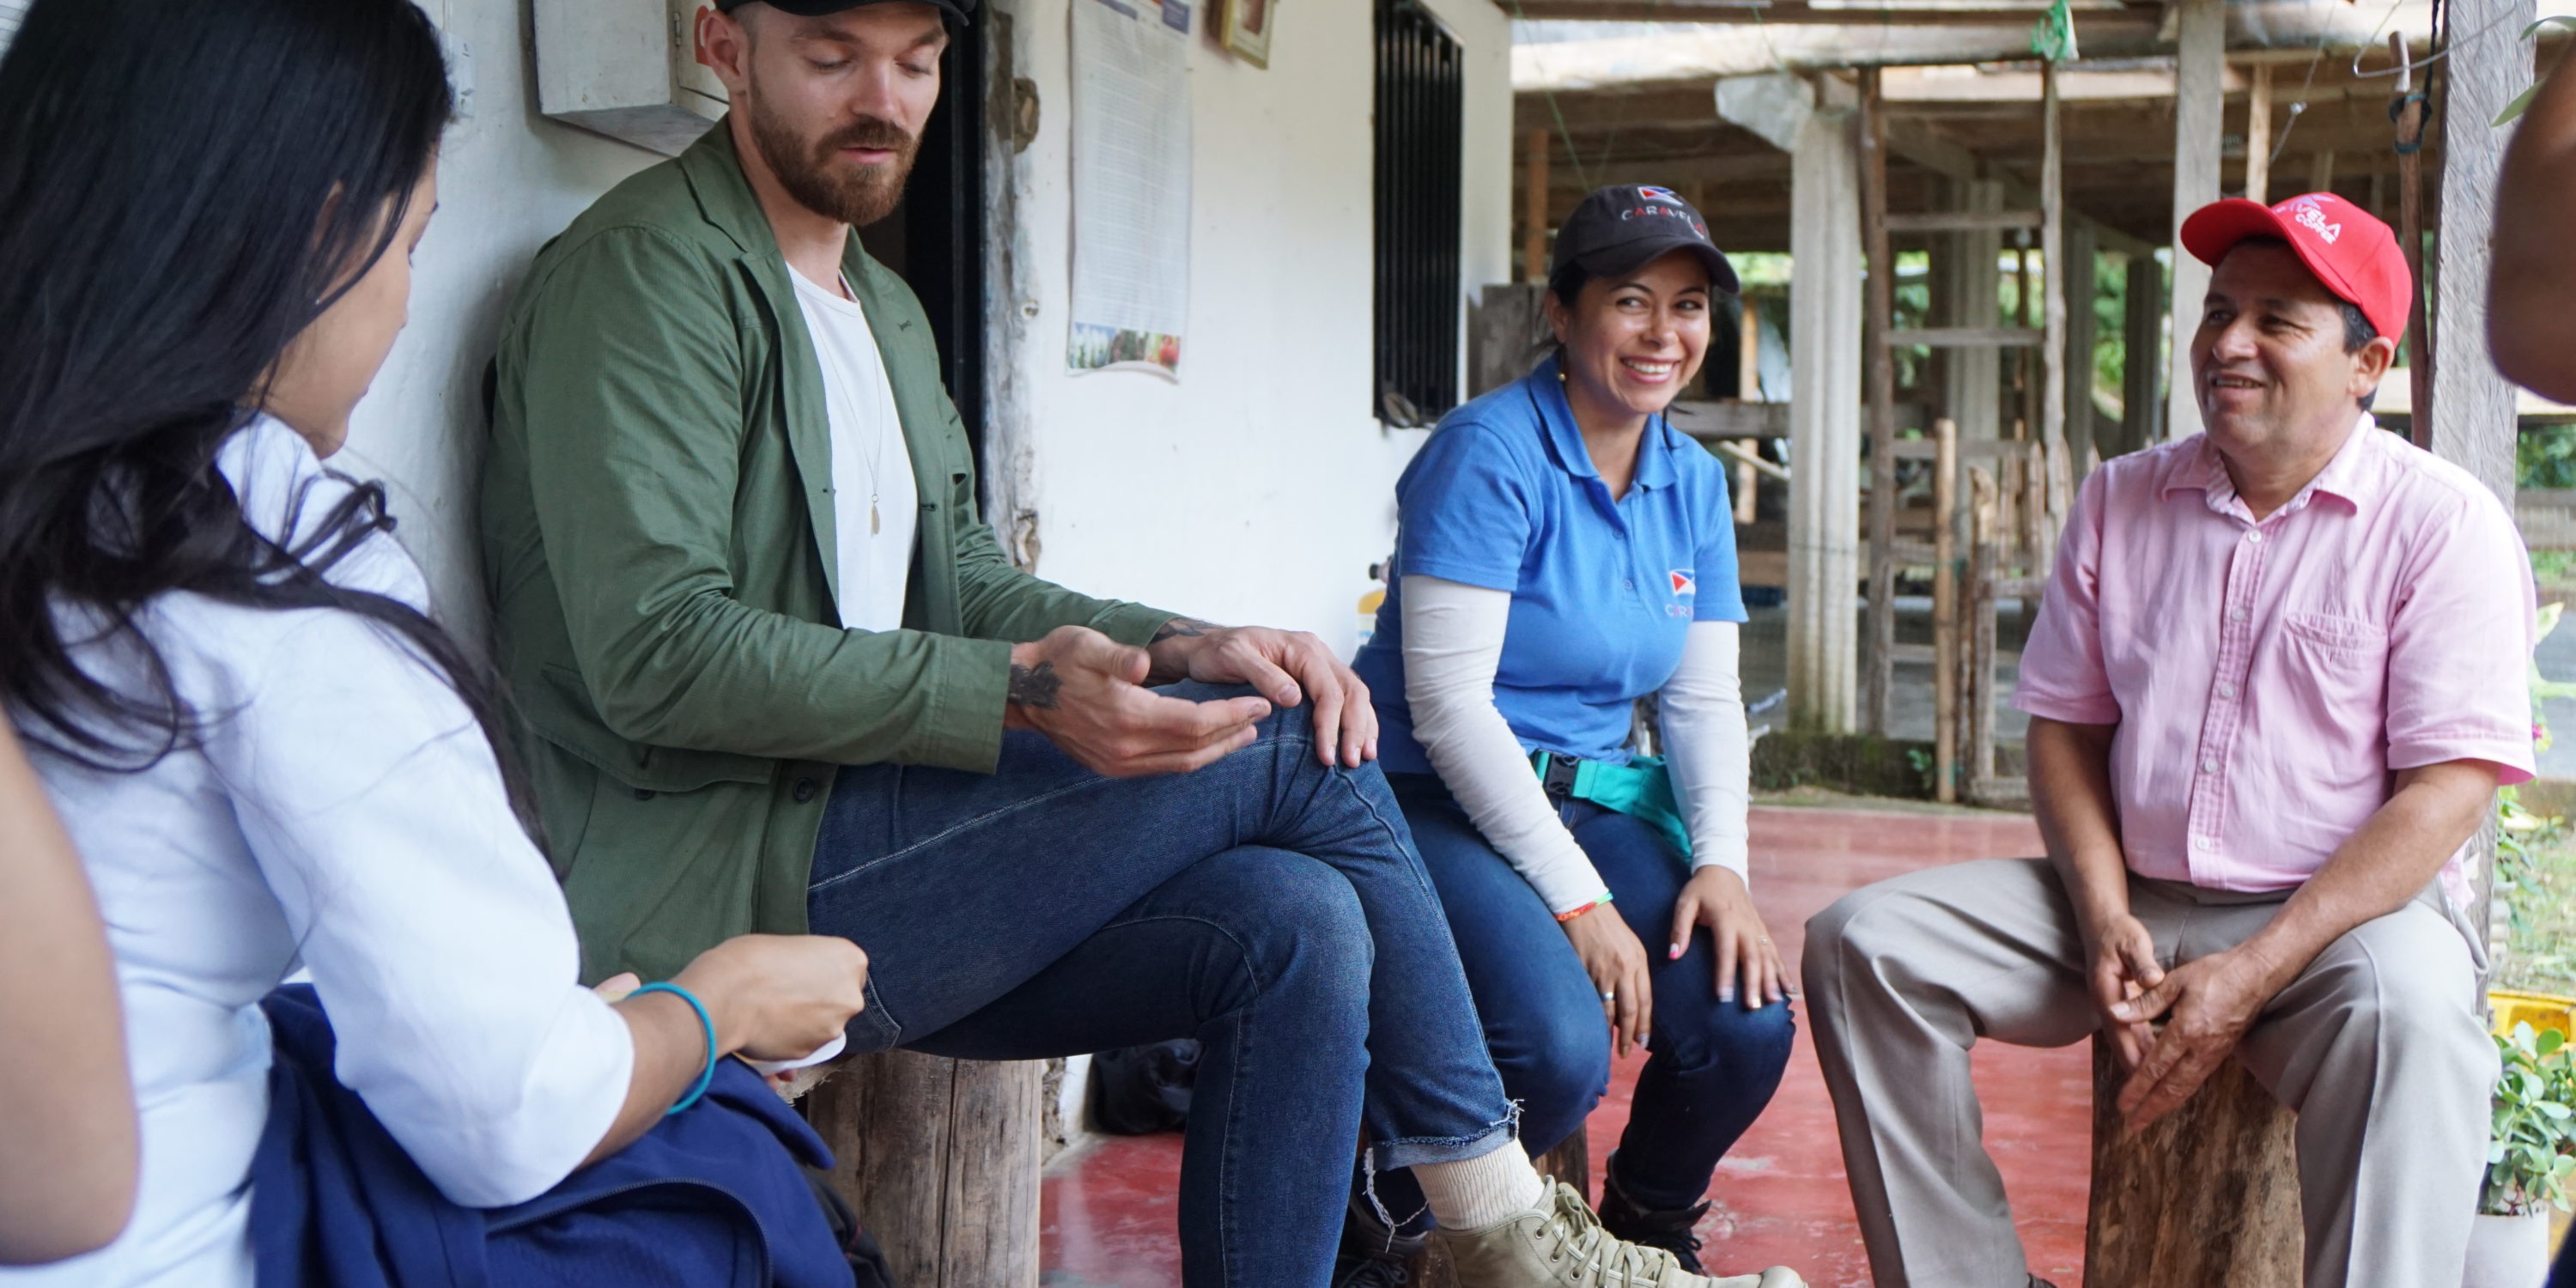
(2053, 36)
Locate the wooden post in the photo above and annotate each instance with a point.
(1945, 612)
(2207, 1195)
(2200, 87)
(2474, 424)
(2410, 238)
(1983, 566)
(1748, 353)
(1534, 211)
(2143, 332)
(1824, 425)
(2081, 287)
(2321, 168)
(940, 1159)
(2060, 487)
(1881, 680)
(2258, 133)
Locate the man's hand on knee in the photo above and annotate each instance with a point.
(1086, 693)
(2123, 968)
(2207, 1004)
(1289, 667)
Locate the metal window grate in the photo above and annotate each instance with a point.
(1420, 103)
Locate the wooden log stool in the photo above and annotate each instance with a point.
(2208, 1196)
(939, 1158)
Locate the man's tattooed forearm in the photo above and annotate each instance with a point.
(1035, 686)
(1183, 628)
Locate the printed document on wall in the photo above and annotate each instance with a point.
(1131, 188)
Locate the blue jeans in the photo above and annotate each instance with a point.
(1268, 905)
(1712, 1065)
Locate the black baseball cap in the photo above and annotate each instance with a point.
(1624, 227)
(957, 9)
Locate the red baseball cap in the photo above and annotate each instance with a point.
(2350, 251)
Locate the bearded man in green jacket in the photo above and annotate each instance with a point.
(779, 678)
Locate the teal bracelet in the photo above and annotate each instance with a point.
(703, 1018)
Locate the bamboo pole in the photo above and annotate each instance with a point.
(1981, 640)
(1534, 211)
(2258, 133)
(1876, 693)
(1945, 611)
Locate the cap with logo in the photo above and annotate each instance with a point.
(958, 9)
(1622, 228)
(2351, 252)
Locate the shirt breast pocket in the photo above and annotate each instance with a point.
(2341, 662)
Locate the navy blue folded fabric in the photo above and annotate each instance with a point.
(711, 1198)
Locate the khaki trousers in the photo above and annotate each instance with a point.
(2377, 1045)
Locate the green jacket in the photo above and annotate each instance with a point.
(657, 529)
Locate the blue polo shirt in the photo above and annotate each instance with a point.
(1504, 496)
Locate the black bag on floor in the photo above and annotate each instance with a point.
(1139, 1090)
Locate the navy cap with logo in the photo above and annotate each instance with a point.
(1622, 228)
(958, 9)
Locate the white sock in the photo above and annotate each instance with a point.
(1477, 1192)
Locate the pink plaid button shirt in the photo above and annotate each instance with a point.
(2268, 679)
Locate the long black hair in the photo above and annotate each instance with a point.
(185, 185)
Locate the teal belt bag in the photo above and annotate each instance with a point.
(1641, 789)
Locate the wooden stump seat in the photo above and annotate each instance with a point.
(2208, 1196)
(940, 1159)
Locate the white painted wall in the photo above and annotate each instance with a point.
(1260, 487)
(508, 180)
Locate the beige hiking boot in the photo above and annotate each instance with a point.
(1561, 1244)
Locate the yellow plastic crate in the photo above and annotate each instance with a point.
(2539, 1010)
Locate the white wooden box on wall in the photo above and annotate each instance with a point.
(625, 68)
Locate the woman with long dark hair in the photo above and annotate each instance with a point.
(268, 753)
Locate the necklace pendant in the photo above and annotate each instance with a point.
(876, 525)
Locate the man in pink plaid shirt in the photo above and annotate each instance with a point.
(2280, 669)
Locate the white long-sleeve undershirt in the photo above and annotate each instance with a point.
(1453, 648)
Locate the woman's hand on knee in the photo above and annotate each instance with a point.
(1616, 962)
(1715, 897)
(779, 997)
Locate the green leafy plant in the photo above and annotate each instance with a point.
(2531, 1149)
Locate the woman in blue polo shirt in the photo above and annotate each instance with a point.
(1563, 551)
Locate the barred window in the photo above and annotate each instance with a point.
(1420, 102)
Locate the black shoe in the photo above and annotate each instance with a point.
(1371, 1256)
(1673, 1231)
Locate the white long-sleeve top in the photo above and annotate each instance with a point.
(344, 814)
(1453, 647)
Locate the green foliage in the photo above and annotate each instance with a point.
(2531, 1149)
(2545, 457)
(2552, 567)
(2535, 868)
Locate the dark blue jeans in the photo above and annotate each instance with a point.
(1712, 1065)
(1270, 906)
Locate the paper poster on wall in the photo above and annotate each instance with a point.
(1131, 188)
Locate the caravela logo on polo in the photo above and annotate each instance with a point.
(2312, 216)
(1685, 582)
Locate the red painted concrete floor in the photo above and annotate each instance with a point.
(1779, 1197)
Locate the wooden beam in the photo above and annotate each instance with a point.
(2095, 18)
(2199, 103)
(1877, 337)
(2082, 329)
(1960, 221)
(2142, 335)
(1534, 235)
(1967, 337)
(2321, 167)
(2258, 133)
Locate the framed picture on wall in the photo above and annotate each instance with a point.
(1247, 29)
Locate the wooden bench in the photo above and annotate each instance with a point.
(2208, 1195)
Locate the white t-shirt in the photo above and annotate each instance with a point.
(343, 814)
(876, 508)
